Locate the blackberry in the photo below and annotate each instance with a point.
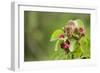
(65, 46)
(61, 36)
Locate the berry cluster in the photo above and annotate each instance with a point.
(65, 45)
(71, 31)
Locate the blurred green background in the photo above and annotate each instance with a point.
(38, 27)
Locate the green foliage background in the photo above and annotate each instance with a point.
(38, 27)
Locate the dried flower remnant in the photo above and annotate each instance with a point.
(70, 27)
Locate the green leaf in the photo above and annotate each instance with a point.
(57, 45)
(69, 55)
(55, 35)
(73, 44)
(77, 53)
(80, 23)
(85, 44)
(75, 36)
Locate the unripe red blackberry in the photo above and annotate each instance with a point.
(61, 36)
(82, 31)
(64, 45)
